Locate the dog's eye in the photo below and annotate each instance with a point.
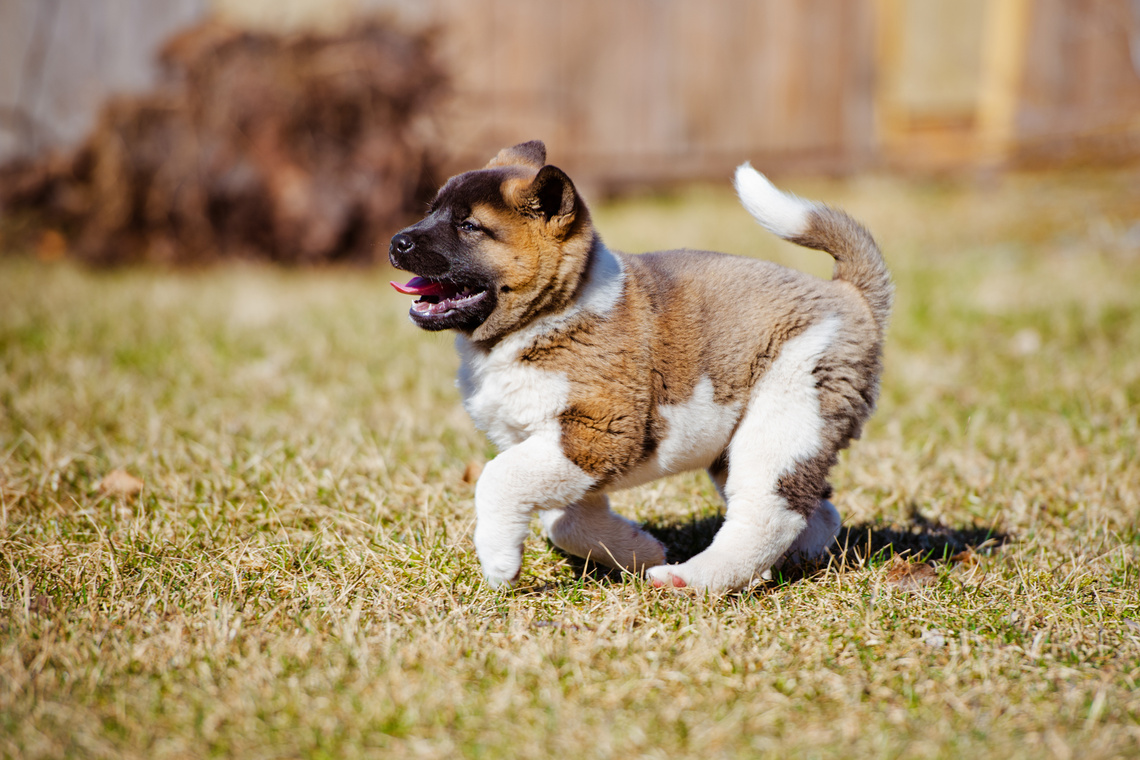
(468, 225)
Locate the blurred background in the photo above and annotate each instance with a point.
(305, 130)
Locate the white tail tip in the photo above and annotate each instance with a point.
(780, 213)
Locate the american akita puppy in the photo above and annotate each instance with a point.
(593, 370)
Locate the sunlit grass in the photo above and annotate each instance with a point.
(296, 578)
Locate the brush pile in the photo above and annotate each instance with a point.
(298, 150)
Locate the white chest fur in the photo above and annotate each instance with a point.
(511, 401)
(506, 399)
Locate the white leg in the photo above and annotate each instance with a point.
(778, 441)
(814, 540)
(530, 476)
(590, 530)
(754, 536)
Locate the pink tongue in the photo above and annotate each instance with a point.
(419, 286)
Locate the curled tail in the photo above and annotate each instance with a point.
(814, 225)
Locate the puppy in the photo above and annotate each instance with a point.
(593, 370)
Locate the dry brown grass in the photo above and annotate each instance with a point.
(296, 577)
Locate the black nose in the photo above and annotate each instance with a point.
(403, 243)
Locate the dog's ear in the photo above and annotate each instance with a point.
(551, 197)
(532, 154)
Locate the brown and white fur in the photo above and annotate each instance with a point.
(593, 370)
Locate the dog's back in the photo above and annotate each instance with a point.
(857, 256)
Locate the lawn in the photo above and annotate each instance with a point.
(296, 576)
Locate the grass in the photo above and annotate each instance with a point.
(296, 578)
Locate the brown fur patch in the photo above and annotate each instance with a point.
(804, 487)
(514, 190)
(687, 315)
(607, 423)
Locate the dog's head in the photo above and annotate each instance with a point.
(498, 247)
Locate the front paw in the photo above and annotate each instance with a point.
(502, 571)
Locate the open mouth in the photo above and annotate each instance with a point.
(440, 298)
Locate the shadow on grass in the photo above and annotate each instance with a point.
(855, 546)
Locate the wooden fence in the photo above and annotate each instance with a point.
(644, 91)
(650, 90)
(660, 90)
(1080, 95)
(997, 82)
